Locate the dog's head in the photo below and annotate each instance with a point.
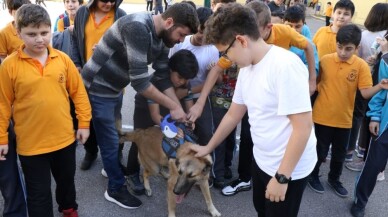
(190, 169)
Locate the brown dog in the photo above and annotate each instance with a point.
(185, 171)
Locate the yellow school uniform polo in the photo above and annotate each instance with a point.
(94, 31)
(61, 24)
(325, 40)
(39, 98)
(284, 36)
(337, 89)
(9, 40)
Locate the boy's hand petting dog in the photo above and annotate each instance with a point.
(83, 135)
(201, 151)
(3, 151)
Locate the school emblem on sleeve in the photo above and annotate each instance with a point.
(352, 76)
(61, 78)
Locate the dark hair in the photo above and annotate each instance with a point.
(345, 4)
(79, 1)
(329, 3)
(278, 13)
(31, 14)
(349, 34)
(262, 11)
(184, 63)
(183, 14)
(223, 1)
(377, 19)
(16, 4)
(294, 14)
(231, 20)
(203, 15)
(190, 3)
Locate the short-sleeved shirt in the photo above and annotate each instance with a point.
(284, 36)
(325, 40)
(329, 11)
(94, 31)
(337, 89)
(272, 91)
(9, 40)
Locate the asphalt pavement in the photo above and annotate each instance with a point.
(91, 185)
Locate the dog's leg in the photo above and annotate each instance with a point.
(171, 197)
(204, 185)
(146, 175)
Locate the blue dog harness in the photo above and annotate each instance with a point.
(171, 142)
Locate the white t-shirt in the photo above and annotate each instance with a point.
(367, 40)
(205, 54)
(275, 87)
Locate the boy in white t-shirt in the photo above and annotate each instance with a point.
(276, 96)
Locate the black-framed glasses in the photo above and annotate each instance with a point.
(225, 53)
(106, 1)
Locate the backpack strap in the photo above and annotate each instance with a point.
(66, 21)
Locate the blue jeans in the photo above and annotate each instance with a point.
(104, 112)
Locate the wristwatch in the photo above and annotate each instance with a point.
(282, 179)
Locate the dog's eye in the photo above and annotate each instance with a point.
(180, 172)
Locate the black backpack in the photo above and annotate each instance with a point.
(62, 40)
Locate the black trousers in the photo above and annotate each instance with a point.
(328, 21)
(338, 138)
(376, 161)
(10, 182)
(264, 207)
(37, 171)
(149, 6)
(246, 151)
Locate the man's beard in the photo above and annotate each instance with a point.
(166, 37)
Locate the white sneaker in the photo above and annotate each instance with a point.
(381, 177)
(103, 173)
(236, 186)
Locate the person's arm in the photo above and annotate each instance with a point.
(196, 111)
(6, 101)
(155, 113)
(75, 53)
(302, 125)
(311, 67)
(375, 111)
(228, 123)
(367, 93)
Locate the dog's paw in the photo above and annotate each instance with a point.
(214, 212)
(148, 192)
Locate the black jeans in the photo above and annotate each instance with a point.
(338, 138)
(360, 108)
(264, 207)
(246, 151)
(37, 172)
(10, 182)
(374, 164)
(223, 154)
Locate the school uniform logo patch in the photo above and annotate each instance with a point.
(61, 78)
(352, 76)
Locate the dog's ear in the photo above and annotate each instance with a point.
(208, 164)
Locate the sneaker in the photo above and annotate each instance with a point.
(315, 184)
(338, 188)
(135, 184)
(123, 198)
(88, 161)
(103, 173)
(349, 157)
(381, 177)
(70, 213)
(228, 173)
(356, 211)
(236, 186)
(219, 184)
(355, 166)
(360, 152)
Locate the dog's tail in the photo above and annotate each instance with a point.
(127, 136)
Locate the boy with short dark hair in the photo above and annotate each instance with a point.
(284, 142)
(341, 74)
(66, 20)
(325, 37)
(328, 12)
(46, 141)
